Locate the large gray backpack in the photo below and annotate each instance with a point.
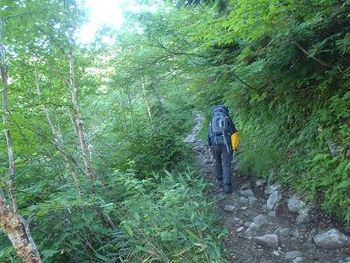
(219, 124)
(220, 127)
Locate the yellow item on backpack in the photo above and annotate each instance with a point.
(235, 141)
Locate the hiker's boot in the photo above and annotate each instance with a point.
(218, 183)
(227, 189)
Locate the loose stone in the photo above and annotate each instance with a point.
(332, 239)
(251, 199)
(283, 231)
(245, 186)
(229, 208)
(272, 213)
(274, 198)
(247, 192)
(259, 182)
(243, 200)
(295, 204)
(240, 229)
(272, 188)
(303, 217)
(298, 260)
(293, 254)
(269, 240)
(260, 220)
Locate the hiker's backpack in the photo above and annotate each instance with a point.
(222, 130)
(220, 125)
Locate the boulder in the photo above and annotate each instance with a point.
(298, 260)
(252, 228)
(283, 231)
(245, 186)
(243, 200)
(295, 204)
(247, 223)
(332, 239)
(251, 199)
(269, 240)
(295, 232)
(240, 229)
(303, 217)
(292, 254)
(247, 192)
(274, 198)
(272, 188)
(260, 220)
(271, 213)
(229, 208)
(260, 182)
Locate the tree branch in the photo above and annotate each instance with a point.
(314, 58)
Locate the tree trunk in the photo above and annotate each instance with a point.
(77, 119)
(18, 232)
(57, 135)
(14, 226)
(144, 93)
(79, 128)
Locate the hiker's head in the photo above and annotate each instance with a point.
(220, 108)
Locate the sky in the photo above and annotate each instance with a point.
(109, 13)
(101, 12)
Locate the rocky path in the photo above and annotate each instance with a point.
(266, 223)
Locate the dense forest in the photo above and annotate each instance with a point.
(94, 167)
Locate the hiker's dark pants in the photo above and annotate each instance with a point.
(222, 163)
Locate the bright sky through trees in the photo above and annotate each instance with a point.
(100, 12)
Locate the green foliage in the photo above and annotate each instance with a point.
(135, 114)
(162, 142)
(166, 218)
(174, 224)
(283, 68)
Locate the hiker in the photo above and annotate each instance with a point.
(220, 130)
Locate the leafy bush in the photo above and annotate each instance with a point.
(283, 68)
(170, 220)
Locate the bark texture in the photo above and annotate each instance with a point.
(18, 232)
(78, 120)
(11, 222)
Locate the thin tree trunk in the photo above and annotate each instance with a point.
(149, 112)
(79, 128)
(14, 226)
(77, 119)
(57, 135)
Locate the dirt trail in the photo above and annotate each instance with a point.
(261, 227)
